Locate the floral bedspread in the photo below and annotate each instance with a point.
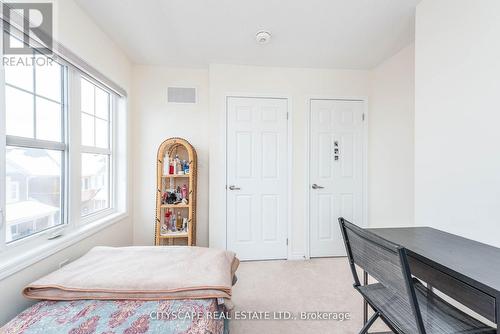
(113, 317)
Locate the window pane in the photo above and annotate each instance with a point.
(12, 189)
(19, 75)
(48, 120)
(101, 103)
(48, 78)
(19, 110)
(95, 183)
(87, 98)
(87, 130)
(101, 133)
(35, 191)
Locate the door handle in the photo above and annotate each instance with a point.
(234, 188)
(315, 186)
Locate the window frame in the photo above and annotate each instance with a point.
(27, 251)
(85, 219)
(74, 226)
(34, 143)
(35, 95)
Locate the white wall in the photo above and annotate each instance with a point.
(296, 83)
(390, 91)
(391, 141)
(457, 117)
(75, 30)
(154, 121)
(79, 34)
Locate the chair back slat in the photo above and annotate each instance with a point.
(379, 261)
(383, 260)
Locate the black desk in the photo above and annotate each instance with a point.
(466, 270)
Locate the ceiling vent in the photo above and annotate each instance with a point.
(181, 95)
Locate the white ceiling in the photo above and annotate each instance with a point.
(350, 34)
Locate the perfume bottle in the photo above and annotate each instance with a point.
(178, 196)
(175, 163)
(180, 167)
(166, 165)
(166, 222)
(179, 221)
(173, 224)
(184, 192)
(170, 166)
(164, 226)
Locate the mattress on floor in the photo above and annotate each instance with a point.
(124, 316)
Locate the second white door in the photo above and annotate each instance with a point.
(257, 163)
(336, 172)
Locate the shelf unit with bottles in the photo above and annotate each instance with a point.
(176, 193)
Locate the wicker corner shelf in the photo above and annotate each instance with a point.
(186, 151)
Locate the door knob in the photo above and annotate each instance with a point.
(234, 188)
(315, 186)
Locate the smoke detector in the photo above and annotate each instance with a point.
(263, 37)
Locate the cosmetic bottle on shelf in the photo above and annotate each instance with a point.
(166, 165)
(180, 167)
(166, 222)
(164, 227)
(173, 222)
(170, 166)
(179, 221)
(184, 192)
(178, 195)
(174, 162)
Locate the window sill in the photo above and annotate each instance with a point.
(10, 266)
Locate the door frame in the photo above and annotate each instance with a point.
(289, 140)
(364, 222)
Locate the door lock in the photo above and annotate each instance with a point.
(336, 153)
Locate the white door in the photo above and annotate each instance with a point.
(257, 177)
(336, 172)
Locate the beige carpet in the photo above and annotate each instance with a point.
(323, 285)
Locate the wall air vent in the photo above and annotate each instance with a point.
(181, 95)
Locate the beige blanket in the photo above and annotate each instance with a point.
(142, 273)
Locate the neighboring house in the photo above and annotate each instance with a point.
(32, 196)
(94, 188)
(32, 191)
(27, 217)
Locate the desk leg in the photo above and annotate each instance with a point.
(365, 304)
(497, 302)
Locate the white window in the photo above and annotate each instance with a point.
(96, 156)
(36, 148)
(62, 153)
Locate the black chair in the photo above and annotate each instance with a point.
(398, 299)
